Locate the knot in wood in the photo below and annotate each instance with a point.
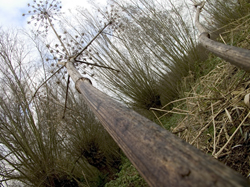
(205, 34)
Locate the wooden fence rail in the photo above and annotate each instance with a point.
(161, 158)
(236, 56)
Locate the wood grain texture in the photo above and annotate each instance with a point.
(161, 157)
(235, 55)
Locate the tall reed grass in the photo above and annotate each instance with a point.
(220, 15)
(152, 46)
(38, 147)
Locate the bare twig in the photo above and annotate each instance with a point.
(92, 40)
(100, 66)
(85, 179)
(214, 150)
(204, 128)
(58, 37)
(158, 119)
(223, 40)
(45, 82)
(231, 137)
(182, 112)
(112, 35)
(65, 105)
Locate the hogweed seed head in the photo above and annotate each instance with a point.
(72, 46)
(42, 12)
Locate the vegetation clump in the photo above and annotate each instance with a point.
(211, 109)
(152, 62)
(213, 114)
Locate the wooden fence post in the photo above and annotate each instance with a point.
(161, 158)
(236, 56)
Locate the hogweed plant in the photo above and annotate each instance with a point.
(43, 12)
(70, 48)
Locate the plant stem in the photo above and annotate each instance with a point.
(100, 66)
(92, 40)
(58, 37)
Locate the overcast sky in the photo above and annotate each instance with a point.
(11, 10)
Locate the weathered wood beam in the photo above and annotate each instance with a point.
(235, 55)
(161, 158)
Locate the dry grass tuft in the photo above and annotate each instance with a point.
(216, 111)
(216, 119)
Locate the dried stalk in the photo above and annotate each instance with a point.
(214, 146)
(100, 66)
(231, 137)
(45, 82)
(65, 105)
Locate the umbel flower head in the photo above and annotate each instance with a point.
(73, 44)
(42, 13)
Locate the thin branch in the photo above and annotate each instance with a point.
(58, 37)
(57, 103)
(92, 40)
(231, 137)
(100, 66)
(45, 82)
(65, 105)
(112, 35)
(214, 146)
